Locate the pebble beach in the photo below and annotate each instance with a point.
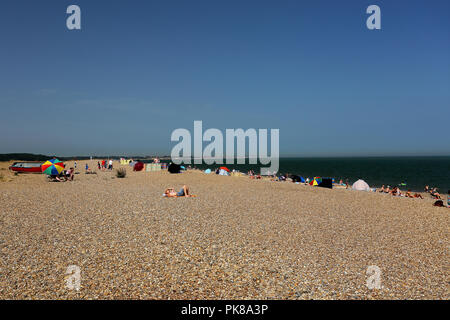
(237, 239)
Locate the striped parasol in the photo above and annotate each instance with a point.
(52, 167)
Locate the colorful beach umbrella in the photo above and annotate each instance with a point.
(52, 167)
(316, 181)
(225, 168)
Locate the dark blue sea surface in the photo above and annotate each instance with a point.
(416, 172)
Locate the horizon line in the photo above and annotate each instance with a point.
(281, 156)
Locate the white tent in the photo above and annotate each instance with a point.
(361, 185)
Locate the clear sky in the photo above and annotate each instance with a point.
(137, 70)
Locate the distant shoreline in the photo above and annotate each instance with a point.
(42, 157)
(416, 172)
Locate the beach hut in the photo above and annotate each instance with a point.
(360, 185)
(153, 167)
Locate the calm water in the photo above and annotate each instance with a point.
(416, 172)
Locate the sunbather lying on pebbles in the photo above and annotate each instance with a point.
(435, 194)
(410, 195)
(171, 193)
(396, 192)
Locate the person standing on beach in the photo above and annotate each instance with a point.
(110, 164)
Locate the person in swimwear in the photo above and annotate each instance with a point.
(171, 193)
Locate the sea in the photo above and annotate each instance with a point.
(409, 172)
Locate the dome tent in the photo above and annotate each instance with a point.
(361, 185)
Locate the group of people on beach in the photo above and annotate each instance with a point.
(436, 196)
(252, 175)
(395, 191)
(105, 165)
(65, 175)
(68, 175)
(433, 192)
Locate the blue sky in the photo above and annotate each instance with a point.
(140, 69)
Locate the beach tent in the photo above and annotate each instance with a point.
(174, 168)
(207, 171)
(182, 168)
(361, 185)
(297, 179)
(223, 172)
